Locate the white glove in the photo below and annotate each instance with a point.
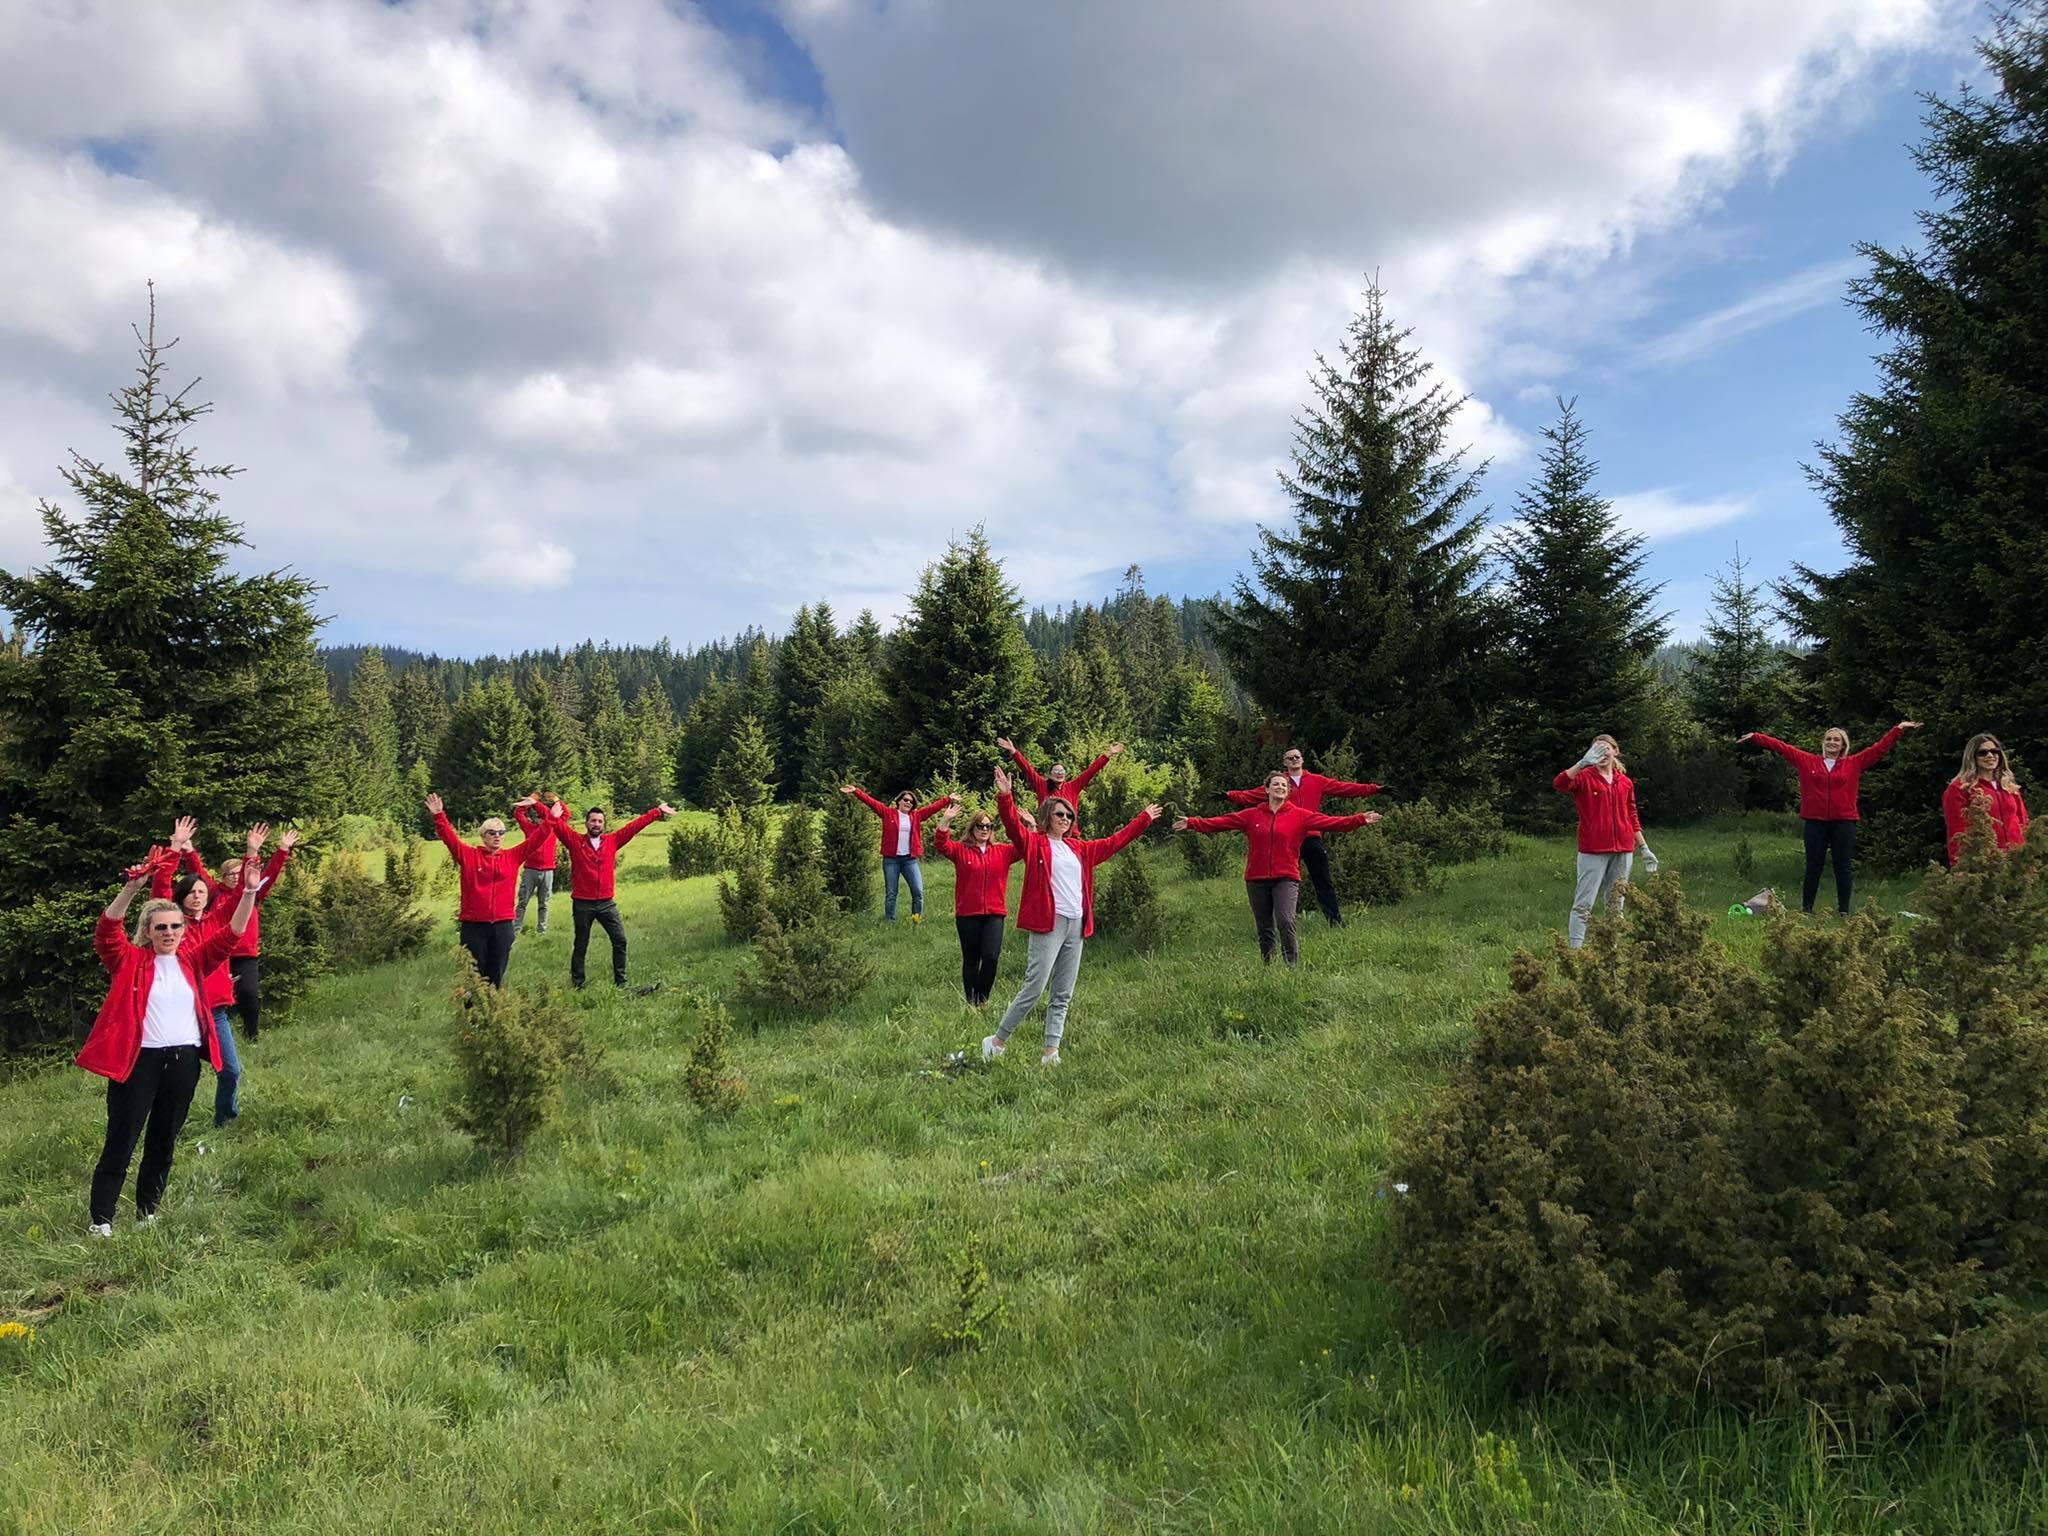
(1596, 754)
(1649, 859)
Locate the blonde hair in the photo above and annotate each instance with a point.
(1968, 776)
(492, 824)
(150, 908)
(1614, 755)
(1835, 730)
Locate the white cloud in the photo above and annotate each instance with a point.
(1817, 285)
(1663, 514)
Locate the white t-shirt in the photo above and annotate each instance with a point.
(902, 835)
(1828, 763)
(1066, 878)
(172, 1017)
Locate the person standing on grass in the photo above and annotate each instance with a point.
(195, 892)
(246, 966)
(1828, 783)
(1057, 908)
(981, 898)
(537, 863)
(152, 1030)
(1056, 781)
(489, 876)
(1308, 791)
(1277, 834)
(1610, 829)
(593, 868)
(902, 845)
(1985, 779)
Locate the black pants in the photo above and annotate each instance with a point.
(490, 946)
(158, 1094)
(606, 915)
(981, 948)
(247, 973)
(1315, 861)
(1823, 838)
(1273, 908)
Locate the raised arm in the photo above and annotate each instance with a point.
(863, 797)
(1784, 749)
(1883, 744)
(917, 817)
(1006, 810)
(287, 840)
(445, 830)
(218, 940)
(640, 823)
(1104, 848)
(1080, 780)
(1031, 775)
(530, 826)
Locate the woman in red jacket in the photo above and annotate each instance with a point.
(981, 897)
(1828, 782)
(246, 964)
(150, 1034)
(1057, 908)
(902, 845)
(1055, 780)
(1307, 792)
(1985, 780)
(1274, 832)
(1610, 829)
(489, 886)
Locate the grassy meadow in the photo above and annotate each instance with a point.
(350, 1321)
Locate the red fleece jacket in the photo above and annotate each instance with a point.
(892, 820)
(592, 869)
(114, 1044)
(1825, 794)
(1034, 907)
(1309, 792)
(2007, 810)
(981, 874)
(1273, 839)
(1608, 822)
(1069, 790)
(490, 881)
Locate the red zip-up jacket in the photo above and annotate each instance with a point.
(490, 881)
(1309, 792)
(540, 839)
(2007, 810)
(591, 870)
(981, 874)
(1608, 822)
(1273, 839)
(251, 942)
(892, 820)
(220, 983)
(1034, 907)
(1069, 789)
(1825, 795)
(114, 1044)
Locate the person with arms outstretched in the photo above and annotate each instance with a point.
(1828, 800)
(537, 862)
(489, 875)
(1307, 792)
(1055, 781)
(902, 845)
(981, 897)
(593, 867)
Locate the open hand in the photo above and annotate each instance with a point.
(1115, 747)
(1006, 744)
(1180, 823)
(530, 800)
(181, 832)
(434, 806)
(946, 816)
(256, 837)
(1154, 812)
(1745, 736)
(666, 810)
(1002, 780)
(1371, 817)
(1909, 725)
(848, 789)
(288, 839)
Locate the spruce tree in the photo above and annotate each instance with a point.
(1192, 713)
(419, 708)
(960, 674)
(840, 747)
(865, 644)
(706, 732)
(755, 689)
(609, 733)
(846, 851)
(653, 721)
(486, 760)
(1940, 477)
(554, 750)
(1741, 681)
(805, 666)
(1367, 617)
(369, 738)
(1579, 629)
(145, 679)
(745, 775)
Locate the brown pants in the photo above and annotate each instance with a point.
(1274, 903)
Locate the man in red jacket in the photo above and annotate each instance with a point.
(593, 862)
(1309, 792)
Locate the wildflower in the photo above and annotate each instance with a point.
(21, 1331)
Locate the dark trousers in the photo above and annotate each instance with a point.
(1273, 907)
(157, 1095)
(247, 971)
(981, 948)
(490, 946)
(606, 915)
(1823, 838)
(1315, 859)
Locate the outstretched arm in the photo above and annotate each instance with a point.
(1103, 848)
(918, 816)
(1031, 775)
(1347, 789)
(1209, 825)
(1883, 744)
(863, 797)
(1784, 749)
(1245, 796)
(640, 823)
(1319, 822)
(1080, 780)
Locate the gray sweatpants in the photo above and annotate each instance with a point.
(1599, 873)
(1052, 959)
(535, 882)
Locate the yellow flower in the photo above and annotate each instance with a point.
(19, 1331)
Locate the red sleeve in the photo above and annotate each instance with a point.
(1031, 774)
(917, 817)
(1791, 754)
(110, 942)
(868, 800)
(160, 881)
(1877, 748)
(2022, 804)
(445, 830)
(1565, 784)
(525, 824)
(574, 847)
(217, 942)
(1952, 801)
(1345, 789)
(1317, 821)
(1104, 848)
(635, 827)
(1635, 814)
(1244, 796)
(1206, 824)
(944, 846)
(1006, 808)
(279, 857)
(1080, 780)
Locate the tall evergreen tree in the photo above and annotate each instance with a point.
(755, 688)
(865, 642)
(369, 738)
(1579, 629)
(745, 775)
(653, 719)
(609, 733)
(841, 746)
(1743, 681)
(419, 709)
(486, 759)
(1367, 618)
(1940, 478)
(805, 666)
(959, 674)
(145, 679)
(554, 749)
(707, 730)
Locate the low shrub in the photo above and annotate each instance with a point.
(362, 921)
(743, 906)
(1374, 870)
(1128, 908)
(973, 1316)
(810, 967)
(1443, 835)
(694, 849)
(711, 1080)
(512, 1056)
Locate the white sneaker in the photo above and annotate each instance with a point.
(149, 1220)
(1052, 1059)
(991, 1048)
(100, 1229)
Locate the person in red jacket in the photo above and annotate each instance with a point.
(1610, 829)
(246, 965)
(1308, 792)
(1277, 833)
(593, 867)
(489, 880)
(981, 897)
(150, 1034)
(1055, 781)
(537, 864)
(902, 845)
(1828, 781)
(1985, 780)
(1057, 908)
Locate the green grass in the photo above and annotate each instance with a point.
(349, 1321)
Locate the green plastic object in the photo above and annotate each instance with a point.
(1739, 909)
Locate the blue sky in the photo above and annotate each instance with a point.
(531, 322)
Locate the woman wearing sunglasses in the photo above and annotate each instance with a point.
(1828, 781)
(151, 1031)
(489, 874)
(902, 845)
(981, 897)
(1057, 908)
(1986, 780)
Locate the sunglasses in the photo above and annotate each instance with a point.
(166, 927)
(494, 831)
(1989, 752)
(1062, 815)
